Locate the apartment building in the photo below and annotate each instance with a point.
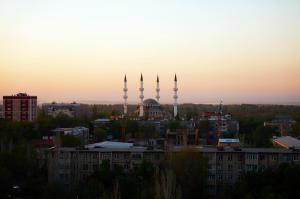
(20, 107)
(70, 165)
(225, 165)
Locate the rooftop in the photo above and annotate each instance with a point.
(287, 142)
(128, 147)
(228, 140)
(109, 144)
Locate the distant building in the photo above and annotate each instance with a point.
(220, 126)
(284, 124)
(225, 124)
(78, 131)
(101, 122)
(53, 109)
(185, 134)
(20, 107)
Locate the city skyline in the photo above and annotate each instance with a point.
(238, 51)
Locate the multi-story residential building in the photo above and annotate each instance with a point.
(70, 165)
(225, 165)
(20, 107)
(53, 109)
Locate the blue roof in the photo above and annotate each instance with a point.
(229, 140)
(110, 144)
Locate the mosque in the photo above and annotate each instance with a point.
(150, 108)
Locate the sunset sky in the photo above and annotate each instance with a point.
(240, 51)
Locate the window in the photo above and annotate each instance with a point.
(251, 156)
(220, 177)
(105, 156)
(274, 157)
(136, 156)
(126, 166)
(261, 156)
(211, 177)
(220, 157)
(117, 156)
(295, 157)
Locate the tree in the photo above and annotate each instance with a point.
(277, 183)
(165, 185)
(63, 121)
(100, 134)
(190, 168)
(174, 125)
(296, 129)
(71, 141)
(262, 136)
(147, 130)
(115, 129)
(132, 127)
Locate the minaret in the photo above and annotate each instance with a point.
(175, 96)
(157, 89)
(142, 96)
(125, 95)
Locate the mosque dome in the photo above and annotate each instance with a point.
(153, 110)
(151, 102)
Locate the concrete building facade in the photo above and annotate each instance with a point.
(225, 165)
(20, 107)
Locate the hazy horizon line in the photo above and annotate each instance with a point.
(111, 102)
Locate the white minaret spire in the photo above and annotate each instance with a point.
(125, 95)
(142, 96)
(157, 88)
(175, 96)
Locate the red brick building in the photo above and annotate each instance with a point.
(20, 107)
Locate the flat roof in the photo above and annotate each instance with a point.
(110, 144)
(204, 149)
(229, 140)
